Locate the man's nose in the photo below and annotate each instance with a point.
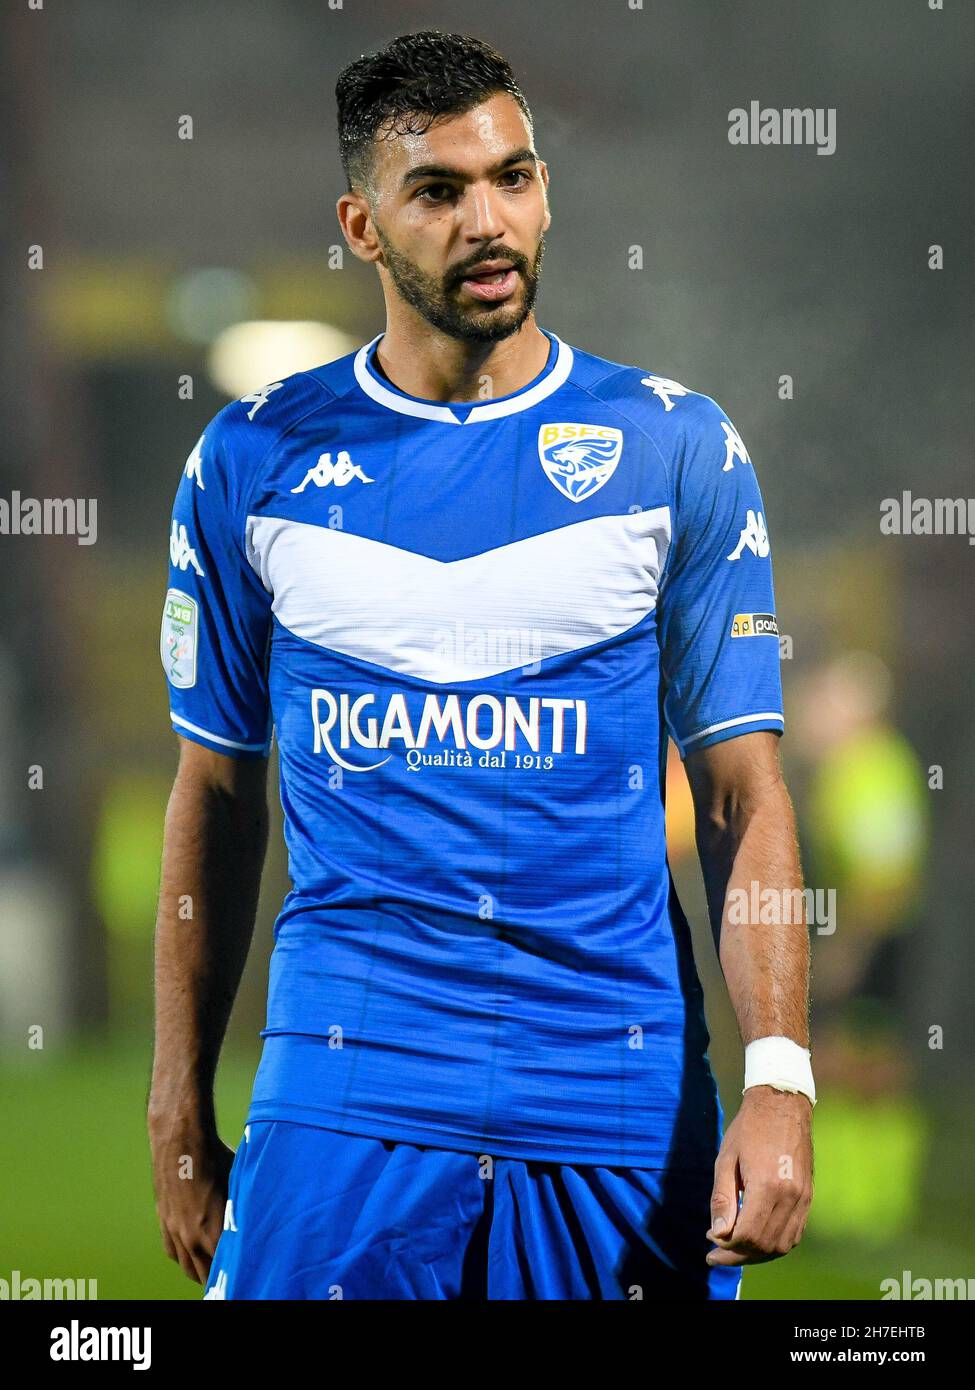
(483, 217)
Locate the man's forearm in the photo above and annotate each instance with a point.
(749, 856)
(746, 839)
(214, 846)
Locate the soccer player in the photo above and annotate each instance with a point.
(473, 577)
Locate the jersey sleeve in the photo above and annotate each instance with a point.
(217, 615)
(718, 632)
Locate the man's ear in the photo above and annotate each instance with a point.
(355, 219)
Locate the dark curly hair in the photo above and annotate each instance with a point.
(408, 84)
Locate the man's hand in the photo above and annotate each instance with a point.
(767, 1155)
(191, 1171)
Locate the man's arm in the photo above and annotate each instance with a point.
(213, 853)
(746, 835)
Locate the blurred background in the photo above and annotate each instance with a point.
(176, 273)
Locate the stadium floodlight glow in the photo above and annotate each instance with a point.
(203, 302)
(246, 356)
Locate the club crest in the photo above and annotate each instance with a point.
(579, 459)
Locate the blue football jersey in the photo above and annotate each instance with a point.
(471, 629)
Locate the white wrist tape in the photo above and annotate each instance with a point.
(780, 1063)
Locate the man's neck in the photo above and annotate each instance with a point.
(424, 362)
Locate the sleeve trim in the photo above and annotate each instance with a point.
(730, 724)
(215, 738)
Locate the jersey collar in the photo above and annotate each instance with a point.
(551, 379)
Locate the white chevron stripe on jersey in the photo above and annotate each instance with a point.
(458, 620)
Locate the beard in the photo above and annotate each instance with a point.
(435, 297)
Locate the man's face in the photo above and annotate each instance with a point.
(460, 213)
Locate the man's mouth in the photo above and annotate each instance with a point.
(491, 281)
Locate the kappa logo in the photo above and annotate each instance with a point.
(259, 398)
(194, 464)
(734, 447)
(663, 388)
(341, 472)
(181, 552)
(754, 537)
(579, 459)
(218, 1289)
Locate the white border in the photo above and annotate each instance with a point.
(215, 738)
(730, 724)
(492, 410)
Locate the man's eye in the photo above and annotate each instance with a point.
(521, 174)
(436, 192)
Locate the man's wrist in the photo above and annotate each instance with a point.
(170, 1112)
(781, 1063)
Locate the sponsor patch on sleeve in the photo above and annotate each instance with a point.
(178, 640)
(754, 625)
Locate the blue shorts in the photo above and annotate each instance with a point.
(320, 1215)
